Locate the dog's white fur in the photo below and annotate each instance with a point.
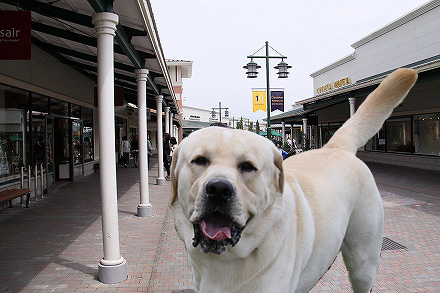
(298, 214)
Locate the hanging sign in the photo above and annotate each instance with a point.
(15, 35)
(277, 100)
(258, 100)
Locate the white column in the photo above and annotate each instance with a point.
(160, 177)
(283, 129)
(304, 130)
(144, 208)
(352, 102)
(167, 120)
(113, 267)
(291, 135)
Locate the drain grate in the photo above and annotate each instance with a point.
(388, 244)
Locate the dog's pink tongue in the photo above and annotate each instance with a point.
(216, 228)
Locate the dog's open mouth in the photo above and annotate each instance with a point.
(215, 232)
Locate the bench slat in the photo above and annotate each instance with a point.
(10, 194)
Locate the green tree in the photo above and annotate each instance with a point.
(240, 123)
(257, 127)
(251, 126)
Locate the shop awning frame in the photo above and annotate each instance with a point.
(64, 29)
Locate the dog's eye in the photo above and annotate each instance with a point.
(201, 161)
(247, 167)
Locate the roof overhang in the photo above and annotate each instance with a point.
(185, 67)
(64, 29)
(428, 70)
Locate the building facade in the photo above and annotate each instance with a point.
(195, 118)
(178, 70)
(411, 136)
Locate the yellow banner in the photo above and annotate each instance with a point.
(258, 100)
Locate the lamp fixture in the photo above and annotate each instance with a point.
(282, 69)
(252, 69)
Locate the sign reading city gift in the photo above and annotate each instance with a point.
(15, 35)
(333, 85)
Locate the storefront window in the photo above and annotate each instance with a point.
(76, 111)
(77, 150)
(427, 134)
(40, 107)
(87, 117)
(325, 132)
(58, 107)
(398, 135)
(13, 113)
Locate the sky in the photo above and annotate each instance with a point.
(219, 35)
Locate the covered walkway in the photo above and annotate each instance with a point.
(53, 245)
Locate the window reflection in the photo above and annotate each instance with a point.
(427, 134)
(13, 112)
(87, 117)
(398, 135)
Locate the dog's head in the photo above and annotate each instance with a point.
(223, 179)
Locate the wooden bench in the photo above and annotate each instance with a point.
(10, 194)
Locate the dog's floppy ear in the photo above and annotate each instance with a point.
(174, 174)
(278, 161)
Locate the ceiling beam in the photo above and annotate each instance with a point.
(77, 54)
(123, 34)
(47, 9)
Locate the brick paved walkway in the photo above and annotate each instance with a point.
(55, 246)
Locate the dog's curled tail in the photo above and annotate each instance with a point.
(370, 116)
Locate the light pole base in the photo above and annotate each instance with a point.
(144, 211)
(112, 274)
(161, 181)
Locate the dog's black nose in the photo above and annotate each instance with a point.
(219, 189)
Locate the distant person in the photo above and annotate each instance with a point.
(125, 151)
(167, 154)
(173, 145)
(283, 152)
(135, 150)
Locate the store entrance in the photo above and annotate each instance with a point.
(62, 138)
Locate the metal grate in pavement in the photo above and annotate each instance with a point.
(388, 244)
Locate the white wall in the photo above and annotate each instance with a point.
(204, 114)
(400, 45)
(411, 42)
(46, 72)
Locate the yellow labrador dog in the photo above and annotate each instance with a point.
(253, 223)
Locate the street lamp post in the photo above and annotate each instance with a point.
(252, 73)
(220, 111)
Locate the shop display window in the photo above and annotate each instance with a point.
(76, 136)
(13, 112)
(76, 111)
(325, 132)
(58, 107)
(398, 135)
(427, 134)
(87, 117)
(40, 108)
